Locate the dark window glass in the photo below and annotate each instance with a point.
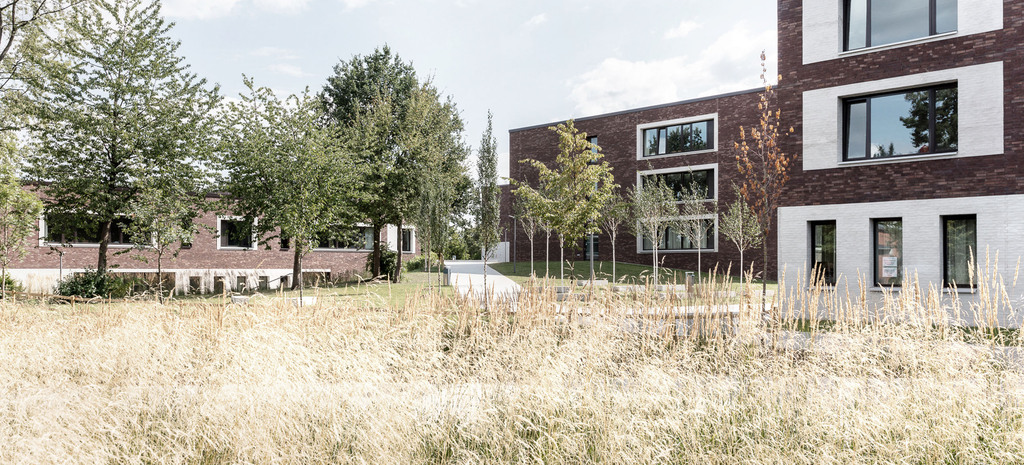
(683, 182)
(406, 240)
(235, 233)
(888, 252)
(673, 240)
(71, 229)
(678, 138)
(960, 243)
(286, 242)
(905, 123)
(593, 143)
(870, 23)
(341, 238)
(823, 251)
(586, 247)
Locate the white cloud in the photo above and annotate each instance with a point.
(730, 63)
(537, 20)
(282, 6)
(274, 52)
(197, 9)
(287, 70)
(353, 4)
(682, 30)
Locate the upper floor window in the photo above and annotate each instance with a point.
(679, 138)
(235, 233)
(683, 183)
(870, 23)
(911, 122)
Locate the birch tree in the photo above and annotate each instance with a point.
(653, 207)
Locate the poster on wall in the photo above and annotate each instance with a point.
(890, 267)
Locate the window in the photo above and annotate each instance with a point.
(593, 143)
(406, 241)
(236, 233)
(870, 23)
(71, 229)
(587, 244)
(903, 123)
(823, 252)
(286, 242)
(679, 138)
(888, 251)
(673, 240)
(959, 245)
(682, 182)
(360, 238)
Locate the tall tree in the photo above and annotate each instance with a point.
(19, 19)
(578, 186)
(288, 172)
(19, 210)
(527, 219)
(764, 168)
(613, 214)
(488, 211)
(372, 94)
(106, 101)
(653, 205)
(739, 226)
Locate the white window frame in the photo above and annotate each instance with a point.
(640, 239)
(682, 169)
(329, 250)
(255, 242)
(690, 119)
(44, 232)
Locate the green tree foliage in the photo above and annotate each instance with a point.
(162, 218)
(288, 172)
(527, 219)
(614, 213)
(20, 19)
(653, 205)
(488, 212)
(577, 188)
(739, 226)
(109, 101)
(19, 210)
(693, 223)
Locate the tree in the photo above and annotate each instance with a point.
(653, 205)
(613, 214)
(489, 210)
(162, 218)
(108, 101)
(692, 223)
(577, 188)
(18, 19)
(739, 226)
(528, 220)
(764, 168)
(372, 96)
(19, 211)
(288, 172)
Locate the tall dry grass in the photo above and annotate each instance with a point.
(615, 379)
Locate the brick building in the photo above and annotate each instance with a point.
(908, 124)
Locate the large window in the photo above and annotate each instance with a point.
(683, 182)
(888, 251)
(406, 241)
(903, 123)
(823, 251)
(959, 245)
(74, 230)
(870, 23)
(235, 233)
(346, 239)
(673, 240)
(679, 138)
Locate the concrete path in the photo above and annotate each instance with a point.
(467, 276)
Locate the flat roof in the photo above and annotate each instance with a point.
(634, 110)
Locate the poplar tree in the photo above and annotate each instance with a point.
(108, 100)
(489, 209)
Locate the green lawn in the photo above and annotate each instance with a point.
(629, 273)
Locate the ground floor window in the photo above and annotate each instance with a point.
(823, 252)
(591, 240)
(888, 238)
(407, 240)
(235, 233)
(959, 245)
(673, 239)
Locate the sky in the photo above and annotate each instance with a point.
(529, 62)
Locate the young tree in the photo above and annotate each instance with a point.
(739, 226)
(692, 223)
(107, 101)
(540, 209)
(489, 210)
(286, 167)
(653, 206)
(528, 220)
(579, 185)
(162, 218)
(613, 214)
(764, 168)
(19, 211)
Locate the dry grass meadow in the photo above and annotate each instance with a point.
(436, 380)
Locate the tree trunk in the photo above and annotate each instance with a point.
(613, 257)
(764, 283)
(398, 264)
(375, 268)
(547, 256)
(159, 276)
(486, 297)
(561, 257)
(104, 233)
(296, 265)
(3, 282)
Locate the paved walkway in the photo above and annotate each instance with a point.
(467, 276)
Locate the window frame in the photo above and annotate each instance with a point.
(363, 229)
(932, 26)
(713, 167)
(945, 250)
(848, 102)
(123, 243)
(876, 268)
(253, 243)
(712, 234)
(835, 255)
(712, 143)
(408, 246)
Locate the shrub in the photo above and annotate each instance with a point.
(91, 283)
(388, 263)
(12, 285)
(417, 263)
